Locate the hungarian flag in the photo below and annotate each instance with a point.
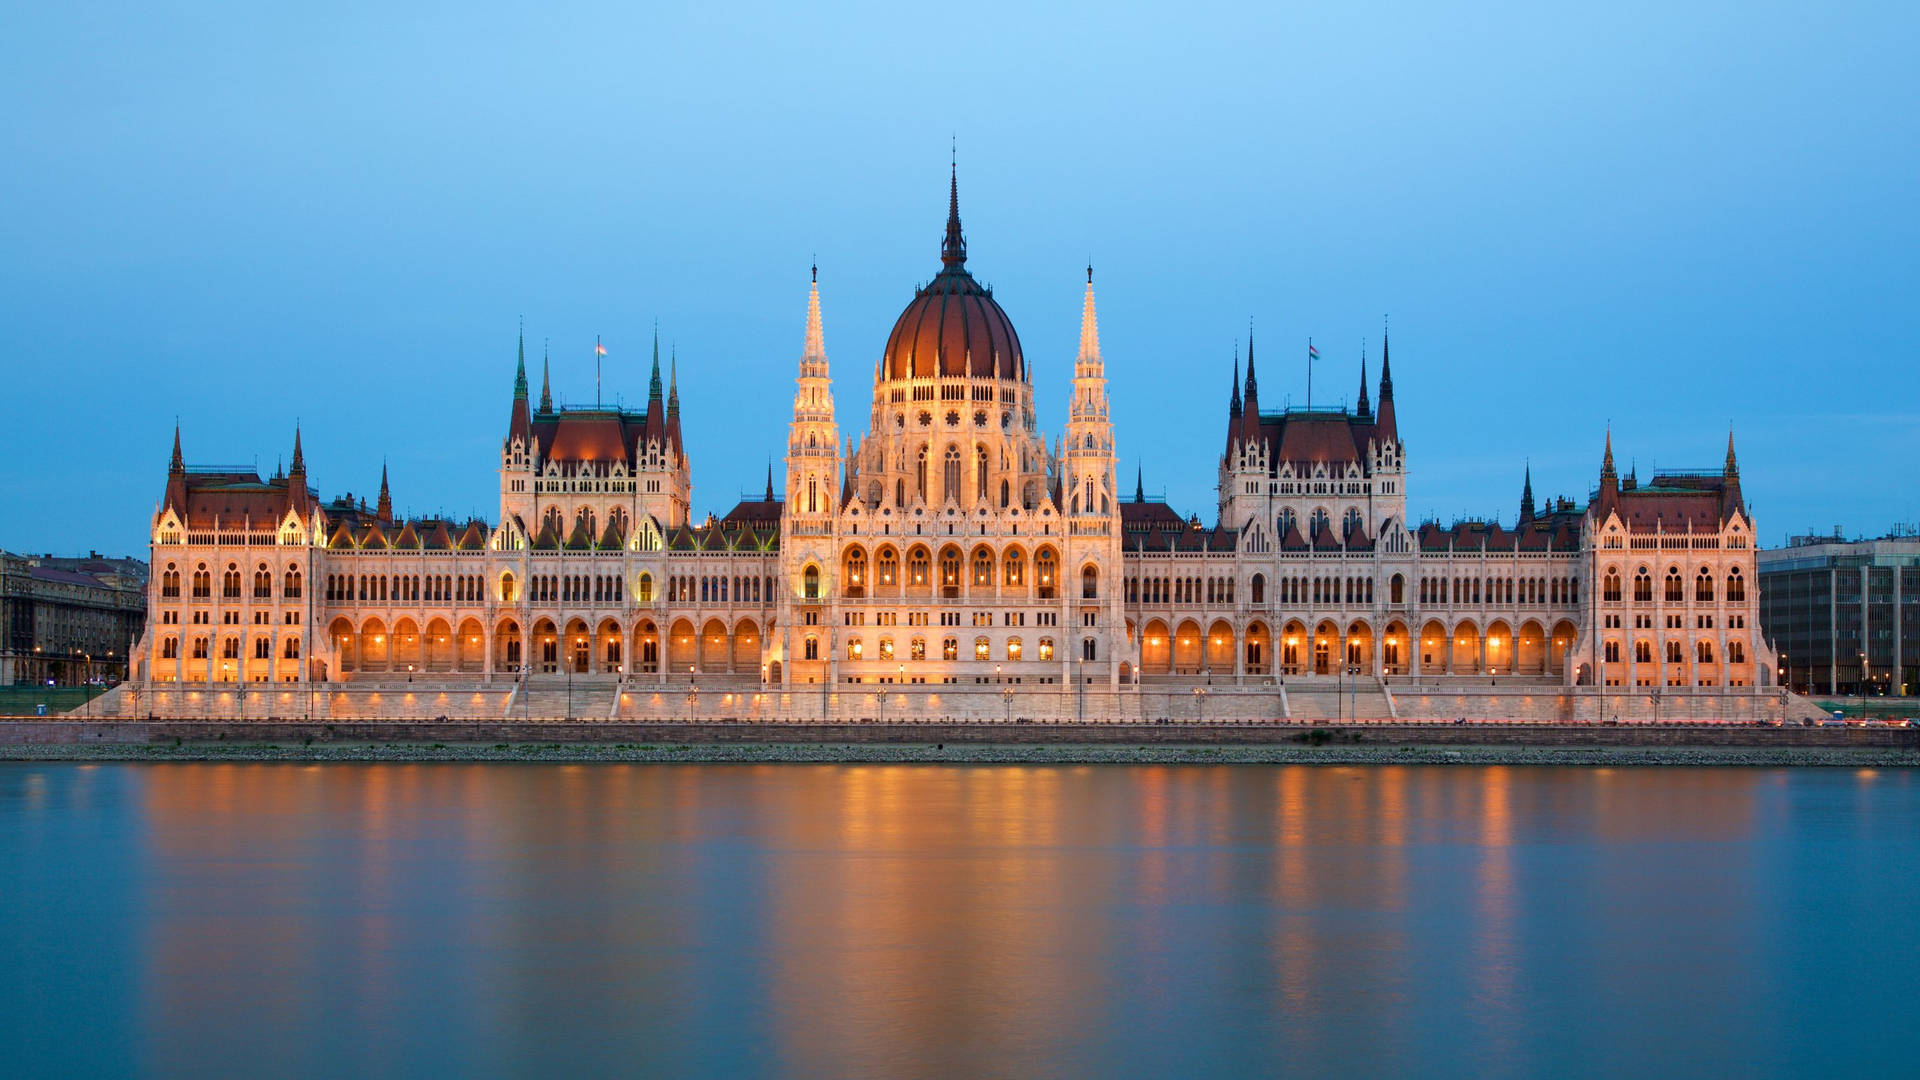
(1312, 353)
(599, 349)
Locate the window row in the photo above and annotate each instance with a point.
(200, 582)
(1674, 587)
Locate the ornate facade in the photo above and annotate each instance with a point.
(949, 543)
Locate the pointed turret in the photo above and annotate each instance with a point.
(1386, 426)
(1364, 408)
(1732, 499)
(1089, 324)
(1253, 384)
(1139, 484)
(546, 383)
(653, 381)
(176, 498)
(673, 400)
(816, 346)
(383, 508)
(768, 497)
(1233, 403)
(1609, 482)
(1526, 497)
(518, 422)
(953, 248)
(297, 500)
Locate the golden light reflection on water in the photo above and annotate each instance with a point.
(872, 919)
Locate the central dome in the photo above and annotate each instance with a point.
(953, 328)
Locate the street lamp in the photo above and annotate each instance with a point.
(1200, 703)
(1007, 692)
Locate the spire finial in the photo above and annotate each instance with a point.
(1139, 484)
(953, 249)
(299, 458)
(1606, 461)
(1253, 384)
(769, 495)
(1526, 495)
(1733, 466)
(179, 464)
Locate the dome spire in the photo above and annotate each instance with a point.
(953, 249)
(816, 334)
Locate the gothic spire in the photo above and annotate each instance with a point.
(953, 249)
(299, 467)
(546, 381)
(816, 348)
(653, 385)
(1526, 496)
(1606, 462)
(1139, 484)
(1386, 422)
(673, 382)
(1365, 408)
(179, 464)
(768, 497)
(1253, 384)
(383, 510)
(1233, 405)
(1089, 325)
(1733, 466)
(520, 370)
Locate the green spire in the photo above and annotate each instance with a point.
(520, 370)
(653, 387)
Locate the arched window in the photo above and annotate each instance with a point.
(950, 649)
(980, 488)
(1736, 587)
(1351, 525)
(853, 648)
(810, 583)
(1736, 652)
(1397, 589)
(1089, 583)
(262, 583)
(292, 589)
(856, 583)
(1089, 649)
(982, 568)
(1320, 522)
(1046, 649)
(950, 479)
(1014, 648)
(918, 566)
(920, 475)
(170, 582)
(230, 583)
(1046, 572)
(1703, 587)
(982, 649)
(1015, 573)
(1674, 655)
(1006, 494)
(202, 583)
(950, 572)
(170, 649)
(1642, 586)
(1676, 591)
(292, 649)
(888, 567)
(1258, 588)
(1704, 651)
(1643, 652)
(886, 648)
(811, 651)
(644, 590)
(506, 588)
(917, 649)
(1610, 586)
(1283, 523)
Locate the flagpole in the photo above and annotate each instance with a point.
(598, 352)
(1309, 374)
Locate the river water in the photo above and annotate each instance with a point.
(696, 920)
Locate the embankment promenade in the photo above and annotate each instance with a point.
(1057, 743)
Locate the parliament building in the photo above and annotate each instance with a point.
(950, 544)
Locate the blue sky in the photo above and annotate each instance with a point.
(1670, 218)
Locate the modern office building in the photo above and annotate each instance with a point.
(1844, 615)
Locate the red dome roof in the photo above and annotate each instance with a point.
(953, 327)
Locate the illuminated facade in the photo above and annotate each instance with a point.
(951, 544)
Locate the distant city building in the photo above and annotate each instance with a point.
(69, 620)
(1844, 615)
(951, 543)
